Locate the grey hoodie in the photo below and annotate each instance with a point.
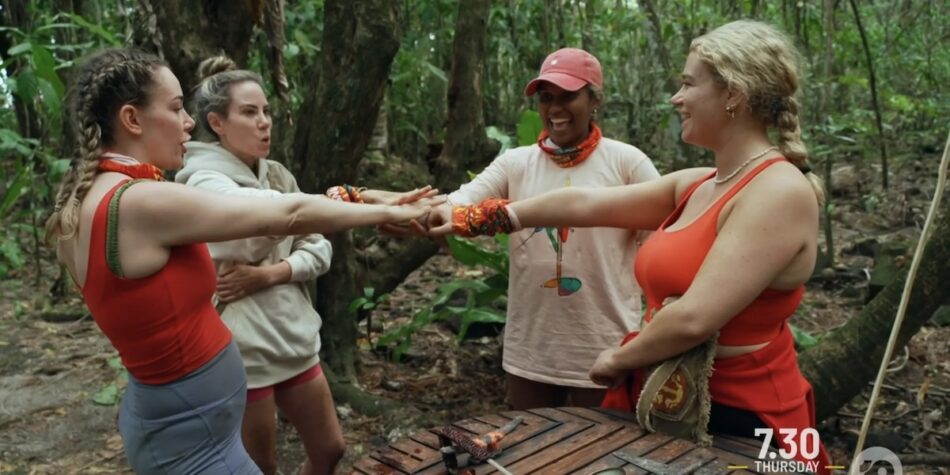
(276, 329)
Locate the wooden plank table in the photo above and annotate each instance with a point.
(570, 440)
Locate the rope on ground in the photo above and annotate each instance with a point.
(902, 308)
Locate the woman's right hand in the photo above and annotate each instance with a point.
(439, 223)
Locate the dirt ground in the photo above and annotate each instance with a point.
(52, 363)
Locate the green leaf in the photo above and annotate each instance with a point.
(495, 133)
(107, 396)
(15, 190)
(803, 338)
(356, 304)
(51, 96)
(20, 48)
(436, 71)
(12, 253)
(109, 37)
(45, 66)
(529, 127)
(480, 315)
(116, 363)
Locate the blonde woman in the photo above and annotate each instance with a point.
(262, 282)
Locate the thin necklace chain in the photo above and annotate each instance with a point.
(735, 172)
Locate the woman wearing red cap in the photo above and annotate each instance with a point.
(575, 295)
(733, 244)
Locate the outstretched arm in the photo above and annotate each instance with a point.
(172, 214)
(637, 206)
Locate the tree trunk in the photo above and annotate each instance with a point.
(831, 365)
(824, 104)
(882, 143)
(187, 32)
(360, 41)
(466, 146)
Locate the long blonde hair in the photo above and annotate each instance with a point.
(105, 81)
(759, 61)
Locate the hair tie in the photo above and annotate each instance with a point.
(777, 106)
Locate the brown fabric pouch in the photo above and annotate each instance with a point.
(675, 398)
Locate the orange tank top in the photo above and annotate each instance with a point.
(669, 261)
(163, 325)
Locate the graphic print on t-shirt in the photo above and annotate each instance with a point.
(558, 237)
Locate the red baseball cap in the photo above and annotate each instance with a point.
(568, 68)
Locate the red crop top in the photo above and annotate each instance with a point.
(164, 325)
(669, 261)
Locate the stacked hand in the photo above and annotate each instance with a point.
(394, 198)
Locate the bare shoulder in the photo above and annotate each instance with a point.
(149, 202)
(783, 184)
(685, 178)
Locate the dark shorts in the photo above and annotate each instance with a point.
(257, 394)
(191, 425)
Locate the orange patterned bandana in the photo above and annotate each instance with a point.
(113, 162)
(573, 156)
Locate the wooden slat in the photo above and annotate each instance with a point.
(565, 447)
(603, 463)
(614, 414)
(556, 414)
(731, 457)
(692, 461)
(373, 467)
(592, 415)
(426, 438)
(670, 451)
(415, 449)
(532, 447)
(644, 444)
(753, 444)
(591, 453)
(396, 459)
(529, 418)
(474, 426)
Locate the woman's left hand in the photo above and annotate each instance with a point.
(241, 280)
(605, 372)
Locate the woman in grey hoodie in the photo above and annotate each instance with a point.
(261, 291)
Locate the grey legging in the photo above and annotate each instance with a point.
(191, 425)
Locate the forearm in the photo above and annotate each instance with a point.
(278, 273)
(308, 214)
(562, 207)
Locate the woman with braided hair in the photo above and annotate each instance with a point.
(134, 245)
(733, 244)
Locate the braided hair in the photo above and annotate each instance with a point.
(104, 82)
(759, 61)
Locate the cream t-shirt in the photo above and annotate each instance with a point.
(556, 329)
